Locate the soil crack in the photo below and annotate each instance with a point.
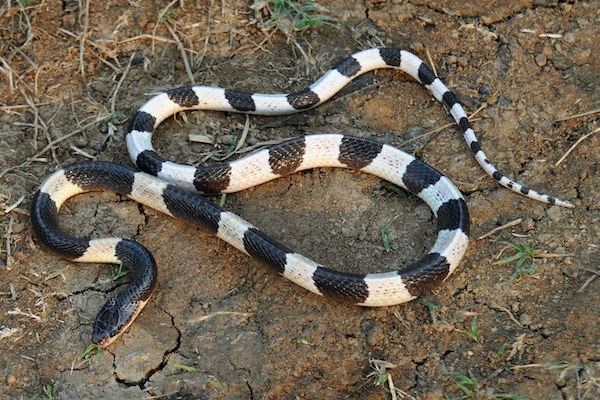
(166, 355)
(245, 370)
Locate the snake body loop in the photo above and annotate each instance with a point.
(165, 186)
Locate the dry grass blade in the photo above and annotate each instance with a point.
(595, 274)
(113, 100)
(23, 106)
(161, 17)
(507, 225)
(14, 205)
(583, 114)
(182, 50)
(581, 139)
(82, 39)
(8, 248)
(146, 36)
(17, 311)
(545, 254)
(431, 61)
(508, 312)
(240, 142)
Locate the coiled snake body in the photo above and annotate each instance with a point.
(166, 186)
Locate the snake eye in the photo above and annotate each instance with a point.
(107, 324)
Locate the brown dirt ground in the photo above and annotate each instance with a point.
(247, 332)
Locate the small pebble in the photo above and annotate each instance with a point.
(526, 319)
(95, 145)
(142, 22)
(11, 380)
(81, 141)
(541, 59)
(554, 213)
(528, 224)
(452, 60)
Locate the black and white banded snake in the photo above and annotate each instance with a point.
(166, 186)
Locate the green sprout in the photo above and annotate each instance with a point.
(385, 232)
(291, 16)
(49, 392)
(523, 253)
(120, 273)
(92, 348)
(472, 332)
(186, 368)
(431, 308)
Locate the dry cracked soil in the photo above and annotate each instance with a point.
(221, 325)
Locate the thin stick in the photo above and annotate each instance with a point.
(188, 69)
(543, 254)
(15, 205)
(430, 61)
(508, 312)
(583, 114)
(8, 250)
(24, 106)
(518, 367)
(146, 36)
(82, 152)
(86, 20)
(581, 139)
(434, 131)
(113, 100)
(596, 274)
(17, 311)
(160, 18)
(501, 227)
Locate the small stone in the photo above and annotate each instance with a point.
(554, 213)
(95, 145)
(11, 380)
(142, 22)
(227, 139)
(581, 57)
(452, 60)
(515, 307)
(541, 59)
(570, 37)
(528, 224)
(525, 319)
(81, 141)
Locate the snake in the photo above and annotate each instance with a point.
(177, 191)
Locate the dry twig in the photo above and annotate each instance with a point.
(581, 139)
(583, 114)
(507, 225)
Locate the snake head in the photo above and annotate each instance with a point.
(113, 320)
